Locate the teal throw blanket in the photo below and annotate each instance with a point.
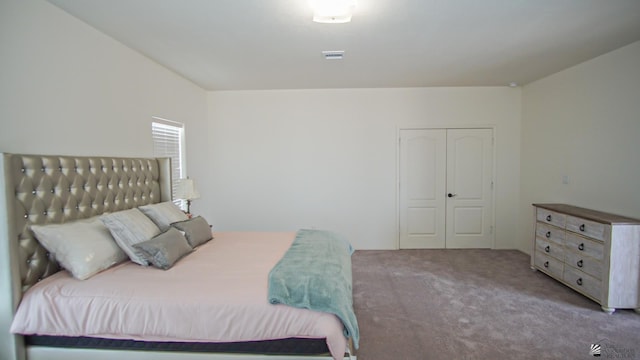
(315, 273)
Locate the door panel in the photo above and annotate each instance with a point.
(422, 187)
(469, 179)
(469, 221)
(464, 156)
(422, 162)
(422, 220)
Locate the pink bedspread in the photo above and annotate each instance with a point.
(216, 294)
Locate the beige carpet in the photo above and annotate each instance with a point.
(478, 304)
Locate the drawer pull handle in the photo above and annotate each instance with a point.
(546, 249)
(579, 263)
(579, 281)
(548, 217)
(581, 247)
(582, 227)
(548, 234)
(546, 264)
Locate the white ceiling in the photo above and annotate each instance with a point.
(273, 44)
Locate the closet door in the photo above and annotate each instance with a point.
(445, 190)
(422, 188)
(469, 188)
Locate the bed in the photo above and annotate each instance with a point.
(229, 269)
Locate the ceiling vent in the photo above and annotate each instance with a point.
(333, 54)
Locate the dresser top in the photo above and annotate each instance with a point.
(589, 214)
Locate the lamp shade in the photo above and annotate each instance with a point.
(187, 190)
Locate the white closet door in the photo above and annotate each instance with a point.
(445, 195)
(422, 188)
(469, 188)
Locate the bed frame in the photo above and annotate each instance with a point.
(43, 189)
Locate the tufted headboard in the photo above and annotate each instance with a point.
(43, 189)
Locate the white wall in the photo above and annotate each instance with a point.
(281, 160)
(584, 123)
(66, 88)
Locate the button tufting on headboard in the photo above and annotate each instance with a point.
(58, 189)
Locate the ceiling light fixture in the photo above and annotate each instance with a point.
(332, 11)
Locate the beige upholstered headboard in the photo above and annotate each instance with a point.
(43, 189)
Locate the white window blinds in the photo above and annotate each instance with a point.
(168, 141)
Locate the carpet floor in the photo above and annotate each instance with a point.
(478, 304)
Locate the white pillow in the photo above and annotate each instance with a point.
(130, 227)
(163, 214)
(83, 247)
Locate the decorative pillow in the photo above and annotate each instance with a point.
(83, 247)
(165, 249)
(130, 227)
(163, 214)
(196, 230)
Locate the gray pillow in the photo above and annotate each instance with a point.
(165, 249)
(163, 214)
(128, 228)
(196, 230)
(83, 247)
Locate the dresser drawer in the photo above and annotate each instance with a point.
(551, 217)
(582, 282)
(582, 245)
(550, 233)
(550, 248)
(583, 263)
(548, 264)
(584, 227)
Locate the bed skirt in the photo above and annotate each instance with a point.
(291, 346)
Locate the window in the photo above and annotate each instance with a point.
(168, 141)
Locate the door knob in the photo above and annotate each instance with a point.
(451, 195)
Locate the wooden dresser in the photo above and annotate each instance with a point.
(594, 253)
